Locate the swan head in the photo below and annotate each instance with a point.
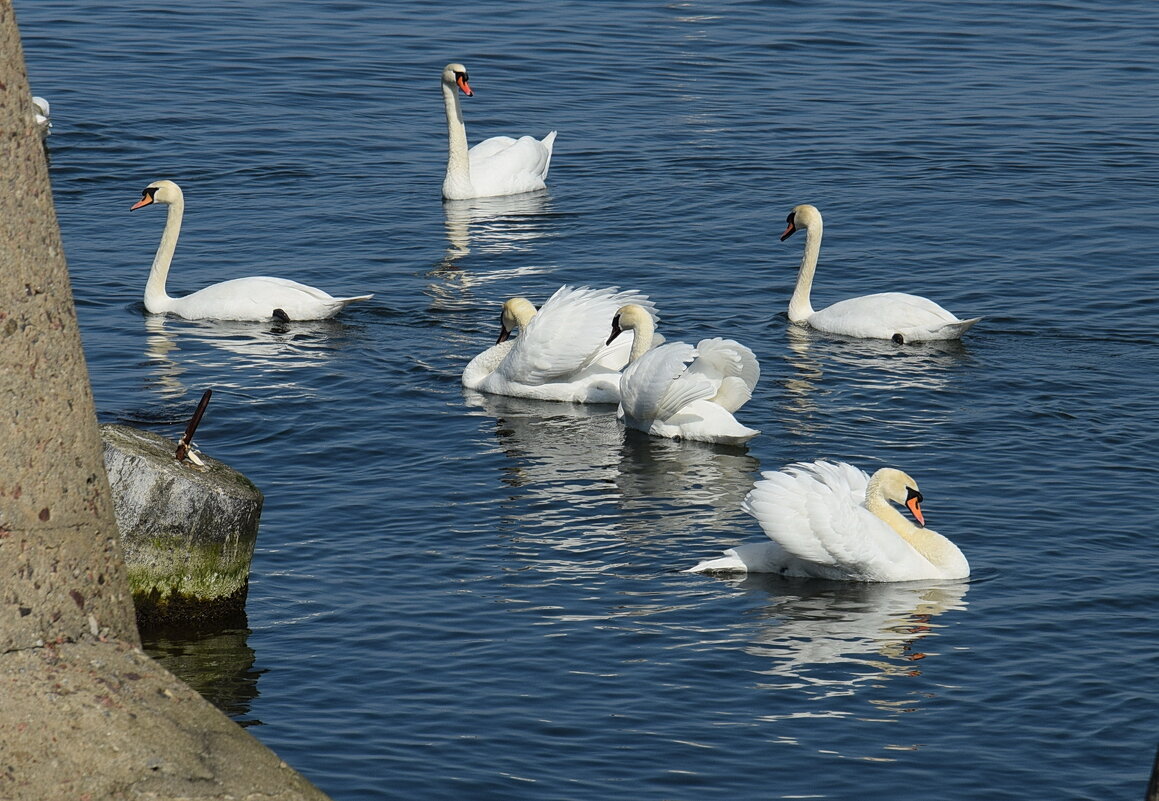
(628, 318)
(456, 75)
(517, 313)
(159, 192)
(802, 216)
(898, 487)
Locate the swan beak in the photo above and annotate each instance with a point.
(504, 334)
(789, 231)
(461, 80)
(913, 503)
(616, 330)
(145, 200)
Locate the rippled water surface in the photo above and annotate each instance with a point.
(461, 596)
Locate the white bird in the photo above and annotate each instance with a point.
(831, 520)
(254, 298)
(886, 315)
(560, 353)
(496, 166)
(682, 392)
(43, 115)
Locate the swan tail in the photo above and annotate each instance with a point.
(952, 330)
(729, 563)
(749, 557)
(956, 329)
(549, 142)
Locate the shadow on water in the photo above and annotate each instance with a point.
(217, 662)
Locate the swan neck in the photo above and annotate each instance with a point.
(156, 299)
(458, 163)
(800, 307)
(642, 333)
(929, 544)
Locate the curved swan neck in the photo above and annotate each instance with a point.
(458, 162)
(643, 329)
(931, 545)
(800, 307)
(156, 299)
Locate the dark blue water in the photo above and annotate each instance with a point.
(457, 596)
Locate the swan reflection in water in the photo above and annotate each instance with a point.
(554, 447)
(583, 477)
(259, 349)
(495, 225)
(840, 378)
(838, 638)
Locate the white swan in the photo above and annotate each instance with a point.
(886, 315)
(42, 114)
(496, 166)
(682, 392)
(255, 298)
(831, 520)
(560, 354)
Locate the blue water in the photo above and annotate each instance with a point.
(457, 596)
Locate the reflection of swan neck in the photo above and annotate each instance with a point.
(156, 299)
(800, 309)
(458, 163)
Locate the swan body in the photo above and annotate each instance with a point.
(496, 166)
(560, 353)
(681, 392)
(886, 315)
(831, 520)
(255, 298)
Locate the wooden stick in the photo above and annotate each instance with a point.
(183, 445)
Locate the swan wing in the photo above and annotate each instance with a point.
(885, 314)
(816, 513)
(257, 297)
(564, 334)
(649, 386)
(731, 367)
(503, 165)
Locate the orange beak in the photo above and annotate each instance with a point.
(789, 231)
(462, 82)
(913, 503)
(144, 201)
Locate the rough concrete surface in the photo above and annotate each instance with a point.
(96, 721)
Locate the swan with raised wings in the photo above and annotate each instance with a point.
(885, 315)
(257, 298)
(496, 166)
(681, 392)
(560, 353)
(832, 520)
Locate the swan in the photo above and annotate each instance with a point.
(831, 520)
(681, 392)
(886, 315)
(560, 353)
(255, 298)
(496, 166)
(42, 114)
